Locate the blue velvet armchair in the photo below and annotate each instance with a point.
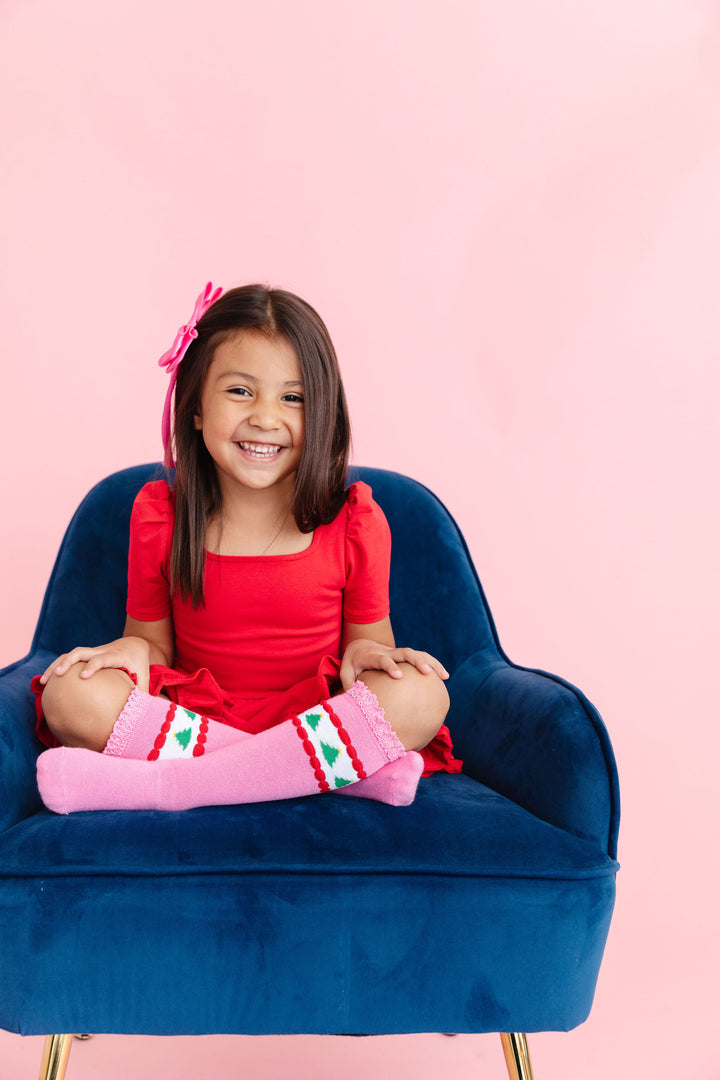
(484, 906)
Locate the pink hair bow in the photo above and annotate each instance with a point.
(170, 360)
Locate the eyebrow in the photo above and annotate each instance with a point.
(251, 378)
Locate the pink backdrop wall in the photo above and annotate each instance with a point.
(509, 216)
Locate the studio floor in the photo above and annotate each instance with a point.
(231, 1057)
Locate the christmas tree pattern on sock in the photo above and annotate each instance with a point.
(331, 753)
(182, 735)
(156, 729)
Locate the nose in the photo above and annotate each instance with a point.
(265, 414)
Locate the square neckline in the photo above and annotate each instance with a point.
(288, 557)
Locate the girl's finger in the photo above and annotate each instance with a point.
(422, 666)
(58, 667)
(95, 663)
(387, 663)
(49, 670)
(143, 680)
(437, 667)
(425, 663)
(67, 660)
(429, 663)
(75, 656)
(345, 672)
(418, 663)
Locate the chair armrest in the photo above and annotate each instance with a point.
(537, 740)
(19, 748)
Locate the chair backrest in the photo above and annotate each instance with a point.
(436, 600)
(437, 603)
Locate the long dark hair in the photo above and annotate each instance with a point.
(319, 490)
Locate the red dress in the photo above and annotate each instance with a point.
(267, 640)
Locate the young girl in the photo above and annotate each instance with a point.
(250, 575)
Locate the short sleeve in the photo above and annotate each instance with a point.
(367, 553)
(151, 526)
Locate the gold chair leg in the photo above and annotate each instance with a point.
(517, 1056)
(55, 1057)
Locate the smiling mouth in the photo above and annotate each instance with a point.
(260, 451)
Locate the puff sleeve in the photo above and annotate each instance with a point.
(151, 527)
(367, 558)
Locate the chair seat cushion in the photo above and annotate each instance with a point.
(456, 826)
(381, 919)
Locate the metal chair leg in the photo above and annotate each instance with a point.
(55, 1057)
(57, 1051)
(517, 1056)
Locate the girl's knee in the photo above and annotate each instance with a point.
(427, 707)
(82, 712)
(415, 706)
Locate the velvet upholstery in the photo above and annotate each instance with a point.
(484, 906)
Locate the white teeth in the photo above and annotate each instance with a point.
(260, 449)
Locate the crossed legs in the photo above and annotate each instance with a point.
(360, 737)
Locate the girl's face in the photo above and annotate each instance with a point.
(252, 413)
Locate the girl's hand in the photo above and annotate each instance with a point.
(132, 653)
(362, 654)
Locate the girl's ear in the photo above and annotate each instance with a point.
(197, 419)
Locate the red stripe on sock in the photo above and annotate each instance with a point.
(162, 736)
(199, 747)
(310, 751)
(345, 738)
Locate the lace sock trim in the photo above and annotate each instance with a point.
(130, 715)
(374, 713)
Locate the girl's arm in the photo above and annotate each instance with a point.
(142, 644)
(371, 646)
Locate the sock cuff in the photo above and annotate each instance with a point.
(374, 714)
(130, 715)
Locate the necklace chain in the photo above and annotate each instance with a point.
(273, 539)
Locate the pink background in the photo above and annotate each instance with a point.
(509, 216)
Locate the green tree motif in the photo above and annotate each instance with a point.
(330, 753)
(184, 737)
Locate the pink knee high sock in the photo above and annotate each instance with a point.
(327, 748)
(155, 729)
